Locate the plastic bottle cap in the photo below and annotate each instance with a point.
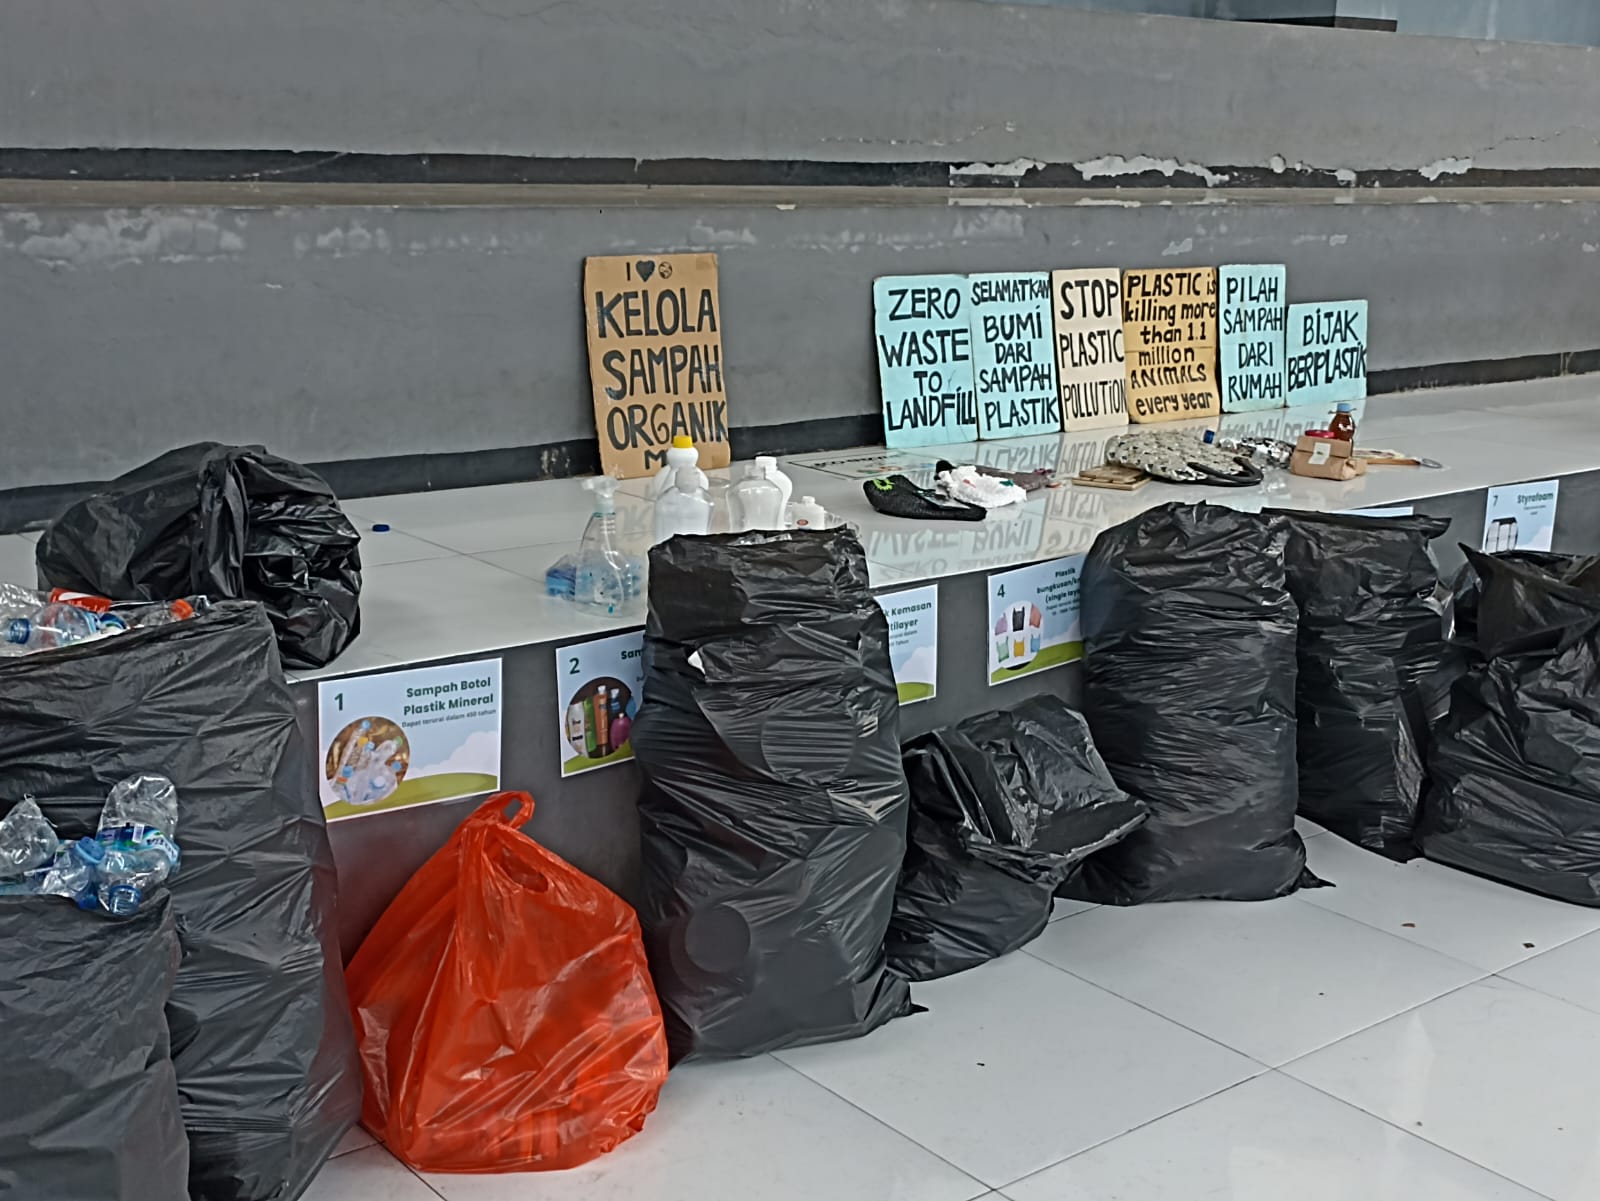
(682, 442)
(381, 527)
(766, 462)
(90, 851)
(806, 500)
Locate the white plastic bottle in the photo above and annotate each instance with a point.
(685, 507)
(683, 454)
(809, 515)
(757, 501)
(768, 465)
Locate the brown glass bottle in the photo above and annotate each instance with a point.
(1343, 425)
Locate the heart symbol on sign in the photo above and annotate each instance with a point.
(646, 268)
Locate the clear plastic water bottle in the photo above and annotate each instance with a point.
(27, 840)
(50, 626)
(137, 830)
(75, 874)
(685, 507)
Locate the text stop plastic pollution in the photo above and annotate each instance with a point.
(504, 1009)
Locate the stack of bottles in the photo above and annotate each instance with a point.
(604, 579)
(116, 871)
(41, 621)
(602, 722)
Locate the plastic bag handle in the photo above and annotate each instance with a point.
(493, 811)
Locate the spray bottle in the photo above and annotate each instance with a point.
(601, 575)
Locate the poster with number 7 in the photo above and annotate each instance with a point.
(597, 697)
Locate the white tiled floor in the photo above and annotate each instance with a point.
(1338, 1045)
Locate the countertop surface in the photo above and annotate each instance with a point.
(462, 572)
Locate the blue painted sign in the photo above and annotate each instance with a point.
(924, 342)
(1013, 354)
(1327, 359)
(1253, 316)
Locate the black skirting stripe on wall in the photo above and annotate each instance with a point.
(329, 167)
(29, 508)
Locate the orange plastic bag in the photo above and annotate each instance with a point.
(504, 1009)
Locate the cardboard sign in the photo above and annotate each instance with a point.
(1013, 354)
(1169, 321)
(924, 359)
(1090, 365)
(398, 739)
(655, 359)
(1327, 360)
(1254, 313)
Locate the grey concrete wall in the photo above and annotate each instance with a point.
(857, 80)
(357, 332)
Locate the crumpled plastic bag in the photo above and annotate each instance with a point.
(1372, 635)
(1515, 771)
(504, 1008)
(90, 1108)
(1003, 806)
(1189, 687)
(773, 813)
(228, 522)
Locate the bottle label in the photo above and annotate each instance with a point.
(80, 600)
(138, 838)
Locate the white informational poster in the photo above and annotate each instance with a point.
(914, 641)
(597, 697)
(1521, 517)
(1033, 618)
(403, 738)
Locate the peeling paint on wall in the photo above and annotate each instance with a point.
(1015, 169)
(72, 241)
(1113, 165)
(1445, 166)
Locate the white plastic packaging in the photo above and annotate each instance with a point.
(757, 501)
(768, 466)
(684, 508)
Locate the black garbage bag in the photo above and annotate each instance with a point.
(1189, 675)
(773, 812)
(261, 1033)
(1372, 636)
(1003, 806)
(228, 522)
(89, 1107)
(1514, 790)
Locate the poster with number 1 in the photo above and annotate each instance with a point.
(402, 738)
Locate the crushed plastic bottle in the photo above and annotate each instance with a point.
(27, 839)
(75, 875)
(137, 830)
(48, 627)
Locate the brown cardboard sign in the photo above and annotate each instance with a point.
(1169, 321)
(655, 358)
(1090, 362)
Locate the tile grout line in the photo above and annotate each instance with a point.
(1294, 1059)
(1413, 1134)
(1160, 1117)
(892, 1129)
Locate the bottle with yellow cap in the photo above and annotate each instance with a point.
(682, 454)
